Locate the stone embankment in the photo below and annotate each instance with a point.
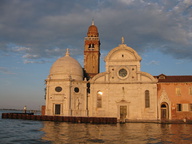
(184, 121)
(31, 116)
(93, 120)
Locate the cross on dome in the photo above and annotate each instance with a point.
(122, 40)
(67, 52)
(92, 22)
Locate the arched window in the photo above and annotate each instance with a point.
(91, 46)
(99, 99)
(147, 99)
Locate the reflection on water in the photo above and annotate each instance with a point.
(132, 133)
(38, 132)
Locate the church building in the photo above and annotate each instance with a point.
(122, 91)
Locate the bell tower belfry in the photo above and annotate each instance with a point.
(92, 51)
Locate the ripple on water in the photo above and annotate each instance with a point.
(26, 131)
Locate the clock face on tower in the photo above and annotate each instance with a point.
(123, 73)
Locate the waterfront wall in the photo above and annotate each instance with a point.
(30, 116)
(93, 120)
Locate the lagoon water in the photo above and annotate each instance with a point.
(14, 131)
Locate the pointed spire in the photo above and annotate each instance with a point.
(92, 22)
(67, 52)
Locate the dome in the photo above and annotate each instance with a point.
(92, 31)
(66, 66)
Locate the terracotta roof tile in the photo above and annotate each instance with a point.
(180, 78)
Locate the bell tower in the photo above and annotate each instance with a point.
(92, 51)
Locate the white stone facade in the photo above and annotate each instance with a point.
(66, 92)
(123, 91)
(123, 95)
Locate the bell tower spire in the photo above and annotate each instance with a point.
(92, 51)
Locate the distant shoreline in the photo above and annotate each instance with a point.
(18, 109)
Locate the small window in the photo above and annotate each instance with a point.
(179, 107)
(76, 89)
(162, 77)
(91, 45)
(163, 106)
(58, 89)
(190, 107)
(190, 91)
(178, 91)
(147, 99)
(99, 99)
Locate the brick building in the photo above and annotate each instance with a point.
(174, 97)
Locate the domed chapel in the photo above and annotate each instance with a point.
(122, 91)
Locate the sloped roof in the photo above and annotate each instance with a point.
(176, 78)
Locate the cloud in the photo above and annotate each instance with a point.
(44, 29)
(5, 70)
(55, 51)
(18, 49)
(29, 56)
(153, 62)
(182, 62)
(36, 62)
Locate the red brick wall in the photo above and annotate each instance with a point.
(43, 110)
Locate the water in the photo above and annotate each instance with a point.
(37, 132)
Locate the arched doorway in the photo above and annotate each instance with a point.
(164, 111)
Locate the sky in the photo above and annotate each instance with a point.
(35, 33)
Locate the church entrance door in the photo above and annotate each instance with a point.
(164, 111)
(123, 113)
(57, 109)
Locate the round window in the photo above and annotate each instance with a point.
(122, 72)
(76, 89)
(58, 89)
